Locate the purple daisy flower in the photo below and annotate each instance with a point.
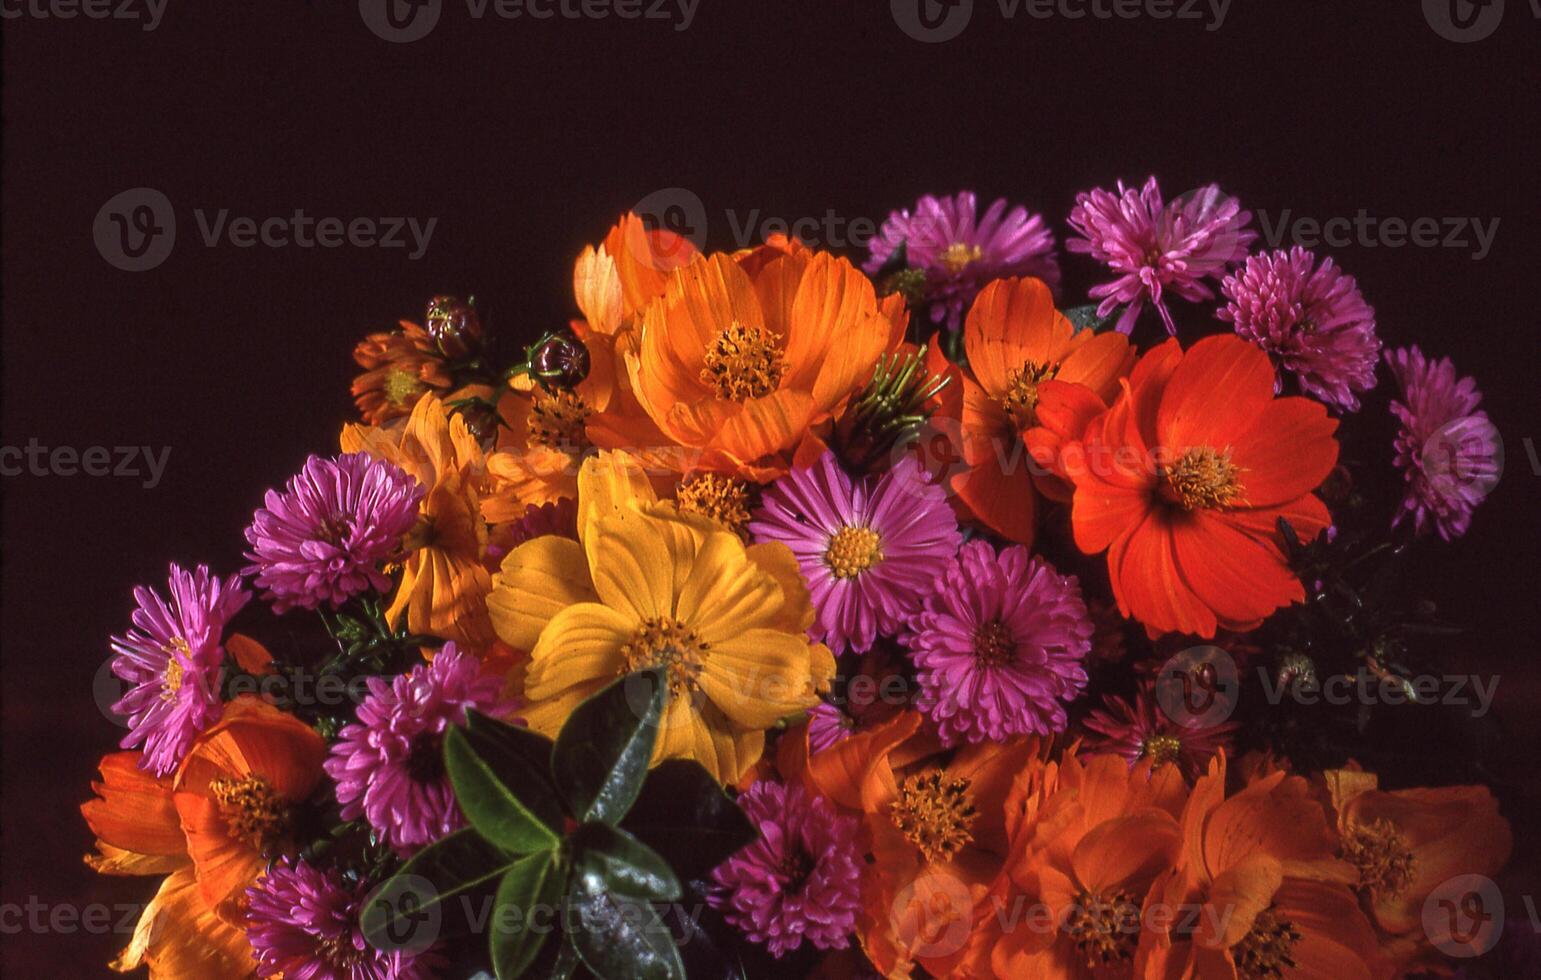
(868, 549)
(999, 646)
(302, 924)
(172, 656)
(827, 726)
(800, 881)
(959, 251)
(323, 538)
(1313, 321)
(1449, 452)
(389, 765)
(1142, 730)
(1156, 247)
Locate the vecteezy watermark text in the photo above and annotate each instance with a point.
(147, 12)
(403, 21)
(35, 459)
(1366, 230)
(935, 21)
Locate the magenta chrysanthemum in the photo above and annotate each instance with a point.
(868, 548)
(558, 517)
(323, 538)
(1312, 319)
(800, 881)
(388, 765)
(959, 251)
(1449, 452)
(302, 924)
(999, 646)
(1156, 247)
(827, 726)
(172, 656)
(1142, 730)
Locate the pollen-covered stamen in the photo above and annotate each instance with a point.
(724, 499)
(1202, 479)
(743, 362)
(402, 386)
(935, 814)
(254, 812)
(557, 421)
(1265, 951)
(1020, 399)
(960, 255)
(1386, 864)
(994, 644)
(171, 679)
(853, 550)
(662, 642)
(1104, 928)
(1161, 748)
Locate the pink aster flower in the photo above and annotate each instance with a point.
(960, 251)
(999, 646)
(389, 765)
(1312, 320)
(1142, 730)
(867, 547)
(1156, 247)
(302, 924)
(172, 656)
(828, 726)
(322, 540)
(558, 517)
(800, 881)
(1449, 452)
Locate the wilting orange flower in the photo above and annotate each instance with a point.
(1257, 891)
(444, 584)
(1017, 341)
(745, 357)
(400, 367)
(1183, 482)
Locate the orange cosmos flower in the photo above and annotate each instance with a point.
(1183, 482)
(625, 272)
(745, 355)
(1017, 341)
(1257, 891)
(444, 584)
(400, 367)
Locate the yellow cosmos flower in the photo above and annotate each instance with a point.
(648, 586)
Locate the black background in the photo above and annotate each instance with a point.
(525, 139)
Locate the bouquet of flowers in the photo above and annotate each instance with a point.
(787, 616)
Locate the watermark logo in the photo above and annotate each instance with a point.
(136, 229)
(672, 209)
(416, 914)
(400, 21)
(1464, 916)
(1464, 21)
(1464, 459)
(932, 21)
(933, 916)
(1199, 687)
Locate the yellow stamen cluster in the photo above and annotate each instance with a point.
(1202, 479)
(1265, 951)
(744, 362)
(1162, 748)
(663, 642)
(721, 498)
(557, 420)
(993, 644)
(1021, 397)
(172, 677)
(1386, 864)
(253, 811)
(935, 814)
(1105, 929)
(401, 386)
(959, 255)
(853, 550)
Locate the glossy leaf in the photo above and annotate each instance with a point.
(683, 814)
(412, 901)
(624, 865)
(524, 913)
(491, 805)
(522, 759)
(618, 938)
(1086, 318)
(603, 750)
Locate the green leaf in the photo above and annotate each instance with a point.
(408, 908)
(602, 752)
(622, 864)
(521, 759)
(684, 815)
(524, 913)
(618, 938)
(1086, 318)
(490, 804)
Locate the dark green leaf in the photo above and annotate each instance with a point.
(686, 817)
(1086, 318)
(621, 863)
(409, 907)
(490, 805)
(524, 913)
(557, 961)
(602, 752)
(619, 938)
(521, 759)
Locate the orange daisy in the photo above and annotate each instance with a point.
(400, 366)
(1183, 482)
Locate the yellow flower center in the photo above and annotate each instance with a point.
(853, 550)
(743, 363)
(1161, 748)
(957, 256)
(1386, 864)
(720, 498)
(557, 421)
(171, 679)
(662, 642)
(993, 644)
(401, 386)
(1202, 479)
(934, 813)
(1265, 951)
(254, 812)
(1021, 397)
(1105, 929)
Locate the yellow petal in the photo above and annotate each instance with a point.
(607, 483)
(581, 643)
(639, 562)
(726, 593)
(776, 560)
(759, 677)
(538, 579)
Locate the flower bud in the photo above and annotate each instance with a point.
(455, 326)
(559, 361)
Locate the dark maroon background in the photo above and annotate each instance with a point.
(525, 139)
